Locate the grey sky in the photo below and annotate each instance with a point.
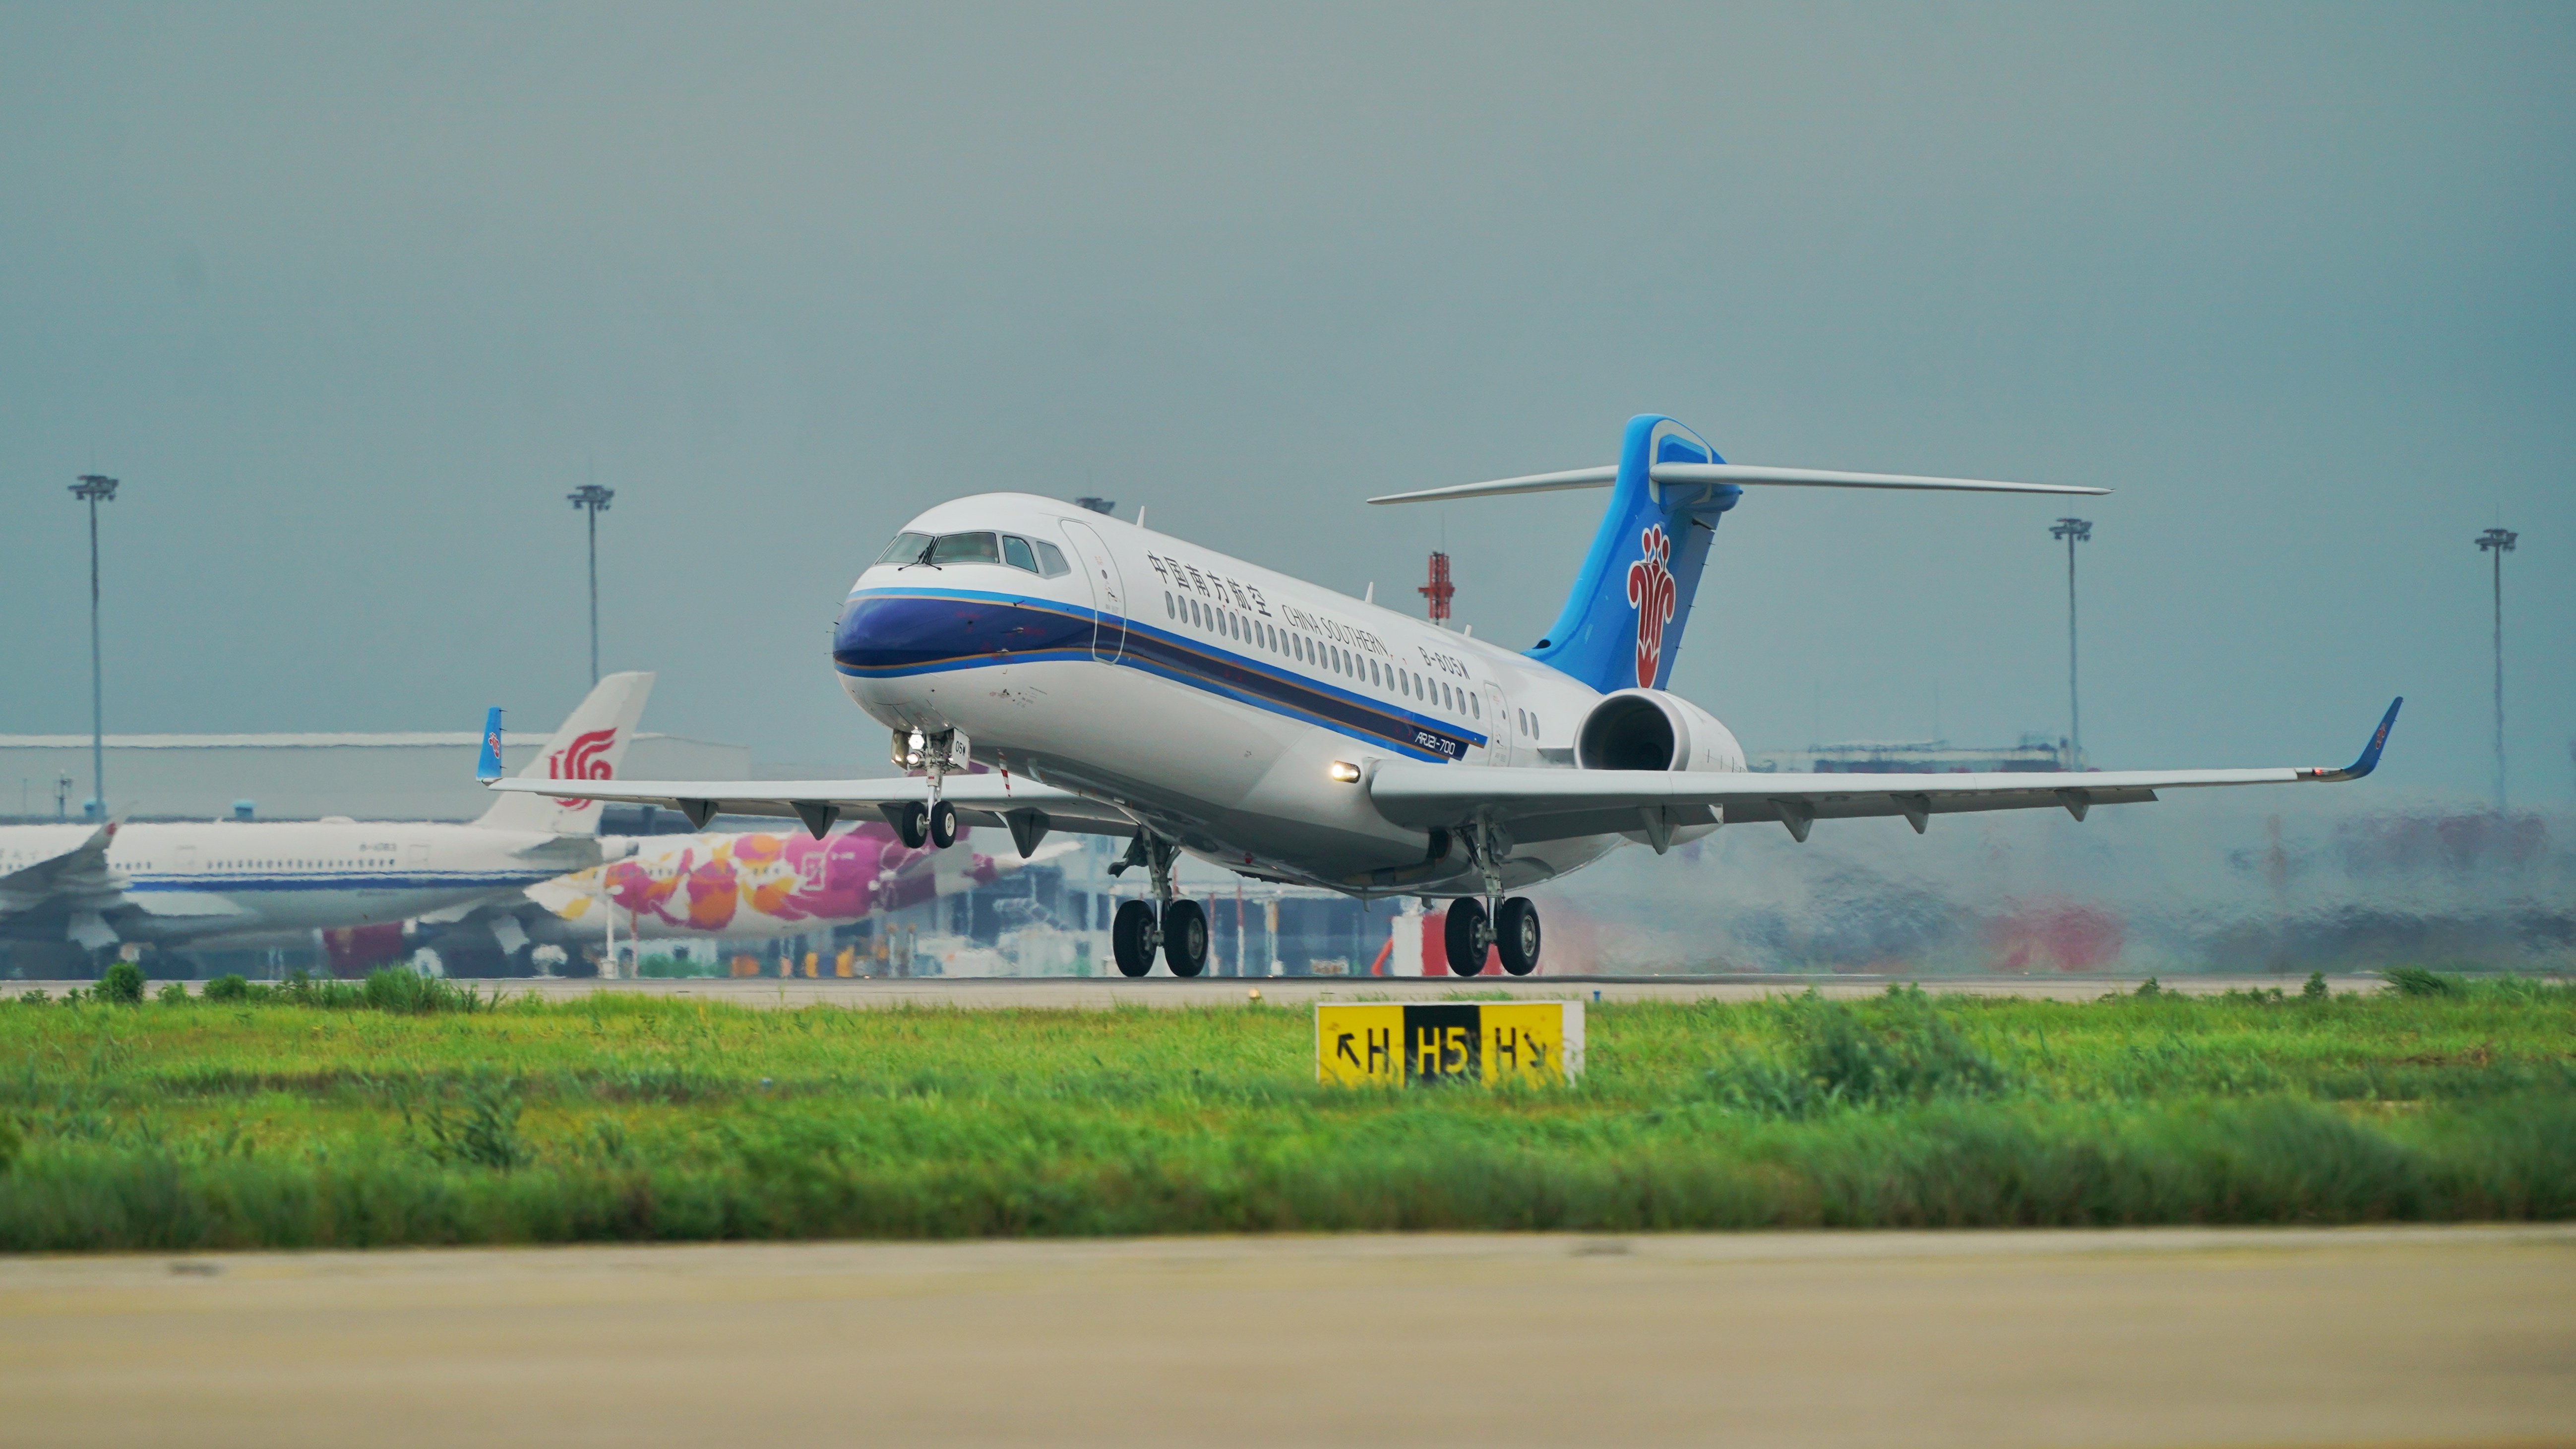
(350, 296)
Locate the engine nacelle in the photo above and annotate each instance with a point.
(1648, 729)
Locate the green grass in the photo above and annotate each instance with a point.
(339, 1114)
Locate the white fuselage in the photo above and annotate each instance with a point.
(199, 882)
(1207, 696)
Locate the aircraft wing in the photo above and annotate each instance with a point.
(1535, 805)
(988, 799)
(79, 879)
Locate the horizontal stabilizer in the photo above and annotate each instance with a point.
(1741, 475)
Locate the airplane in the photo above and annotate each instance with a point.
(1123, 682)
(753, 884)
(247, 884)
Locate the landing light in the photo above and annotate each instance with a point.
(1344, 771)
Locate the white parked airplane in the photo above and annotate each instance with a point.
(245, 883)
(1123, 682)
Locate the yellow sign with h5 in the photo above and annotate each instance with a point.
(1389, 1044)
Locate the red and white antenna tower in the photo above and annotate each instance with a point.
(1439, 590)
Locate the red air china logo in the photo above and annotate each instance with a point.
(582, 762)
(1650, 593)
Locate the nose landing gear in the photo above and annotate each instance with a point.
(938, 755)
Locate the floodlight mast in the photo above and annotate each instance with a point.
(594, 499)
(2074, 531)
(2496, 543)
(94, 489)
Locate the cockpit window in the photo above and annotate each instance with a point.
(959, 548)
(907, 548)
(1051, 560)
(1015, 552)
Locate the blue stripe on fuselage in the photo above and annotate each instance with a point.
(217, 882)
(929, 632)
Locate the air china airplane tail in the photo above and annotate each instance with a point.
(587, 746)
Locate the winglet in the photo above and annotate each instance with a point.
(487, 766)
(2369, 760)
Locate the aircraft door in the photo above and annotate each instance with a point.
(1108, 591)
(1502, 729)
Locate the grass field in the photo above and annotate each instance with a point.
(408, 1113)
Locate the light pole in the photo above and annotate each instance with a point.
(594, 498)
(2496, 543)
(2074, 531)
(94, 489)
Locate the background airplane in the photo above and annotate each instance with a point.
(246, 884)
(716, 886)
(1128, 683)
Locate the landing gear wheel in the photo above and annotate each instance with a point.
(943, 825)
(912, 825)
(1132, 938)
(1185, 937)
(1465, 937)
(1516, 935)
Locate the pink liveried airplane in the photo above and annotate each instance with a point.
(1123, 682)
(758, 884)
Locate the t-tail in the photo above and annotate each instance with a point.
(1622, 624)
(588, 746)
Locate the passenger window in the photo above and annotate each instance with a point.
(959, 548)
(1168, 608)
(907, 548)
(1051, 560)
(1475, 710)
(1017, 553)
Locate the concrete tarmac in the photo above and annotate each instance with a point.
(2439, 1336)
(1099, 993)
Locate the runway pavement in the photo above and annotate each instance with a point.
(1097, 993)
(2449, 1336)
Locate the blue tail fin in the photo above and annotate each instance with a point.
(1622, 624)
(487, 765)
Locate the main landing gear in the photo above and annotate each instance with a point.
(1175, 927)
(1508, 925)
(1511, 930)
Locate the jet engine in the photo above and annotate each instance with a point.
(1648, 729)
